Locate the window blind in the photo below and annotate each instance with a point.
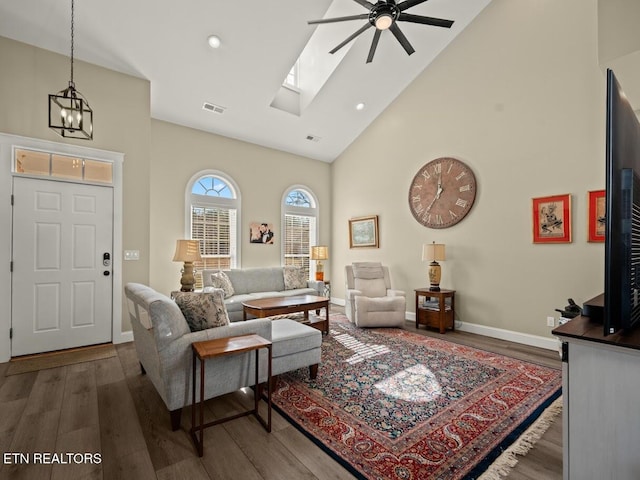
(215, 227)
(298, 232)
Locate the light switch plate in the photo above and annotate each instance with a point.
(132, 254)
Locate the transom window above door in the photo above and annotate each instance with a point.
(63, 167)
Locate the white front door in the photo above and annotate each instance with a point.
(61, 282)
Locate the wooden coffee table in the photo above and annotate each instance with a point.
(268, 307)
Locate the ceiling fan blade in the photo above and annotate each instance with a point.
(409, 3)
(436, 22)
(367, 25)
(367, 5)
(374, 45)
(401, 38)
(339, 19)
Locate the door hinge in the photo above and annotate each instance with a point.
(565, 352)
(11, 266)
(12, 199)
(11, 333)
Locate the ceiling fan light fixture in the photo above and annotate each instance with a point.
(385, 15)
(384, 21)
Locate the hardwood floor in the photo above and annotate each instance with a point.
(107, 407)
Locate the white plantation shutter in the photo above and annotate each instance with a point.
(213, 214)
(298, 232)
(299, 228)
(215, 227)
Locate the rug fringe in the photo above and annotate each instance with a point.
(509, 458)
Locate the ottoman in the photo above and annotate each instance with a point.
(295, 345)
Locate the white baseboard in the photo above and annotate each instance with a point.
(124, 337)
(517, 337)
(502, 334)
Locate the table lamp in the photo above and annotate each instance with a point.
(433, 252)
(187, 251)
(319, 253)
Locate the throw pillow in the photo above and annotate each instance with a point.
(294, 277)
(221, 280)
(202, 310)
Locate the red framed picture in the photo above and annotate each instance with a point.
(552, 219)
(596, 220)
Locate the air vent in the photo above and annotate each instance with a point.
(313, 138)
(210, 107)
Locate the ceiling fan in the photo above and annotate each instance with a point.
(384, 15)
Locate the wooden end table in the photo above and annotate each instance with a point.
(267, 307)
(220, 347)
(439, 313)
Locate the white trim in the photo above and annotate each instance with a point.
(7, 142)
(125, 337)
(502, 334)
(510, 335)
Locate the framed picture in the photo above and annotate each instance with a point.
(363, 232)
(596, 220)
(261, 233)
(552, 219)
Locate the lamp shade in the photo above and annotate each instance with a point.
(320, 252)
(187, 251)
(433, 252)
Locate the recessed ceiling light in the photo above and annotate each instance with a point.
(360, 106)
(214, 41)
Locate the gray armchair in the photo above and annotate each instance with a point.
(371, 302)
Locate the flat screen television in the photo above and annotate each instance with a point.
(622, 222)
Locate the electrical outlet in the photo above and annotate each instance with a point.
(551, 322)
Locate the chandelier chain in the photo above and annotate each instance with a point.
(72, 2)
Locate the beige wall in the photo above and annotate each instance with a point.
(520, 98)
(262, 175)
(619, 43)
(121, 123)
(617, 28)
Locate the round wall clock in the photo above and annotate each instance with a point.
(442, 193)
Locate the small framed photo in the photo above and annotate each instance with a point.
(596, 220)
(261, 232)
(552, 219)
(363, 232)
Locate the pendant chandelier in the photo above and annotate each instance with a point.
(70, 115)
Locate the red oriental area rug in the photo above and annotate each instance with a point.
(391, 404)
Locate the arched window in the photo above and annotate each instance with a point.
(300, 224)
(213, 206)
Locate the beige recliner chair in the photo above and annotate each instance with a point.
(370, 300)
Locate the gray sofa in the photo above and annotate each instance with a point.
(252, 283)
(163, 343)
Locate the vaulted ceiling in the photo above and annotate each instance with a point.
(165, 42)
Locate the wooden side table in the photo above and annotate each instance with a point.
(436, 310)
(217, 348)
